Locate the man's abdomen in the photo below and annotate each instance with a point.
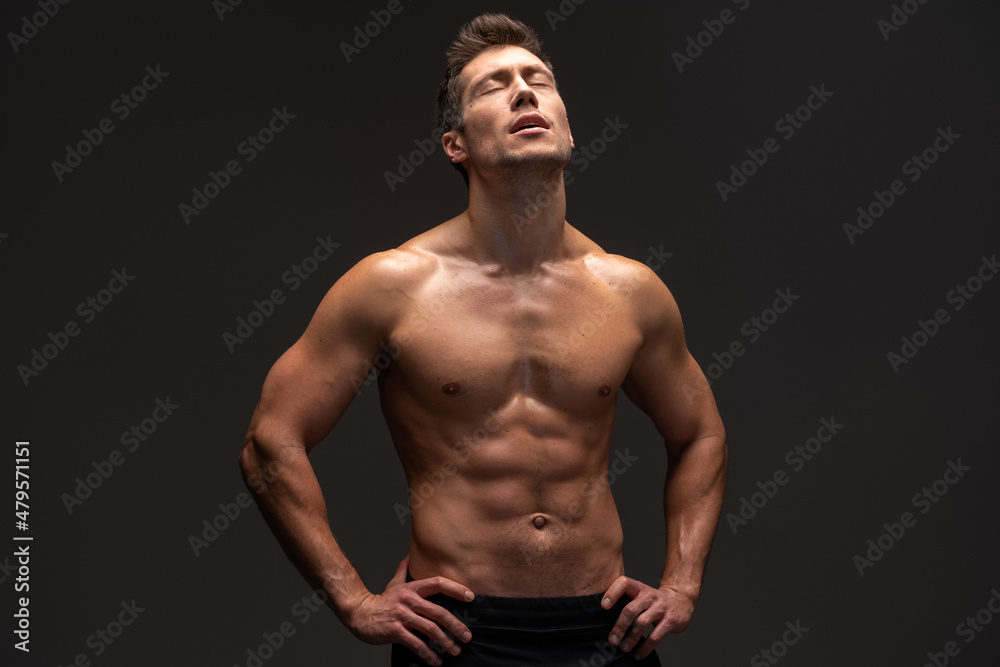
(521, 533)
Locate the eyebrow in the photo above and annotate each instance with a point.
(529, 70)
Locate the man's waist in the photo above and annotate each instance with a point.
(532, 614)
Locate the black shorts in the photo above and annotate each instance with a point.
(535, 632)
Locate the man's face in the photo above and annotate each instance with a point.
(514, 122)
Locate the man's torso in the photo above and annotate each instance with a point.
(500, 401)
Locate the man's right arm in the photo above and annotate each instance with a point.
(306, 392)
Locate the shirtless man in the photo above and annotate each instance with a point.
(511, 334)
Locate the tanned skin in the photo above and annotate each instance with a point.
(511, 334)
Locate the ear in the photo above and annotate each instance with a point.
(454, 146)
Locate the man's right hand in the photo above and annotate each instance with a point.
(402, 607)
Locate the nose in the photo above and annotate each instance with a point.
(523, 95)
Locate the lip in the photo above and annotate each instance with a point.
(530, 119)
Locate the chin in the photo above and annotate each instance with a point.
(537, 155)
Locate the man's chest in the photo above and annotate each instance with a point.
(565, 342)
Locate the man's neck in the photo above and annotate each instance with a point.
(517, 224)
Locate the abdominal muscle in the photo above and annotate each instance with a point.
(520, 516)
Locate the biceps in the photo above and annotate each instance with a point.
(307, 391)
(674, 392)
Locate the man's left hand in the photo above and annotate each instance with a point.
(664, 609)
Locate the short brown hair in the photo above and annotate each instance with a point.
(481, 33)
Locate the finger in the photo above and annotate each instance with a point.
(618, 587)
(660, 630)
(645, 648)
(443, 618)
(400, 576)
(625, 619)
(434, 585)
(425, 652)
(649, 643)
(432, 631)
(639, 626)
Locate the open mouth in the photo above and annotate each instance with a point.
(530, 124)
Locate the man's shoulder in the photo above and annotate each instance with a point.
(617, 271)
(408, 264)
(371, 294)
(637, 287)
(626, 275)
(395, 268)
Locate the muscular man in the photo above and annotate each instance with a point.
(511, 334)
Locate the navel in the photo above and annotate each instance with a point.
(604, 390)
(451, 388)
(539, 521)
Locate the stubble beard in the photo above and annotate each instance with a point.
(525, 167)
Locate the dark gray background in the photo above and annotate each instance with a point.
(654, 186)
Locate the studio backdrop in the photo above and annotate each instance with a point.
(814, 181)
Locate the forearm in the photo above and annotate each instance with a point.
(289, 496)
(692, 503)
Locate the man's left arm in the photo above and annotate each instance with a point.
(667, 384)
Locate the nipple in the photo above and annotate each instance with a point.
(451, 388)
(604, 390)
(539, 521)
